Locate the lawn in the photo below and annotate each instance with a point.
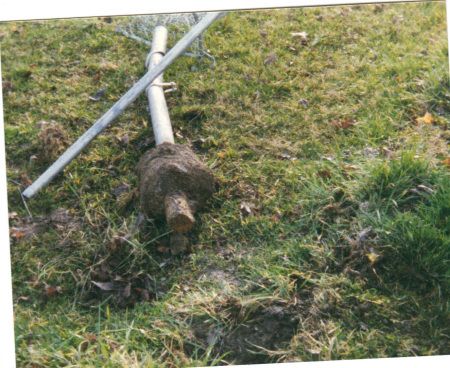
(328, 236)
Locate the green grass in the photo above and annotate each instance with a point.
(345, 251)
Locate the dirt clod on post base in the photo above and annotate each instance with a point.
(174, 184)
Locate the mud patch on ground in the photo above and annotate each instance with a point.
(252, 332)
(62, 220)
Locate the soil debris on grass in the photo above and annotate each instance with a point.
(250, 334)
(61, 220)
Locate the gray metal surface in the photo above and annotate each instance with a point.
(119, 106)
(162, 128)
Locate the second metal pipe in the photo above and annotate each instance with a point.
(162, 127)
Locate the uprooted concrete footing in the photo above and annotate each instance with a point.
(174, 184)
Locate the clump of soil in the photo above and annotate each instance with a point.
(172, 169)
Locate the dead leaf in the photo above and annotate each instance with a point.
(114, 345)
(6, 86)
(373, 257)
(398, 18)
(344, 124)
(98, 95)
(247, 209)
(364, 234)
(324, 173)
(96, 78)
(426, 119)
(51, 290)
(16, 233)
(270, 59)
(146, 143)
(276, 217)
(386, 152)
(284, 156)
(91, 337)
(107, 65)
(162, 249)
(125, 139)
(303, 102)
(127, 290)
(263, 33)
(106, 286)
(303, 36)
(350, 167)
(446, 162)
(426, 189)
(378, 8)
(12, 215)
(25, 180)
(121, 188)
(27, 74)
(144, 293)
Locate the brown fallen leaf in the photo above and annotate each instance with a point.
(125, 139)
(378, 8)
(270, 59)
(162, 249)
(324, 173)
(344, 124)
(6, 86)
(276, 217)
(24, 298)
(386, 152)
(92, 337)
(144, 293)
(121, 188)
(25, 180)
(98, 95)
(350, 167)
(446, 162)
(426, 119)
(303, 102)
(16, 233)
(52, 290)
(247, 209)
(302, 36)
(426, 189)
(127, 290)
(27, 74)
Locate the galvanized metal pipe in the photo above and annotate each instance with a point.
(119, 106)
(162, 128)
